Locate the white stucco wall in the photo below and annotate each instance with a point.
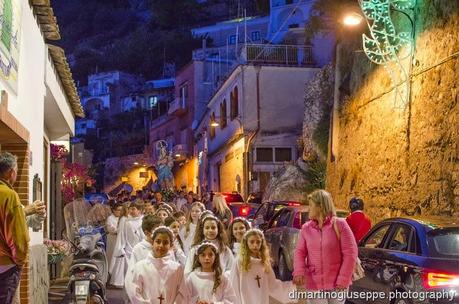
(281, 91)
(27, 103)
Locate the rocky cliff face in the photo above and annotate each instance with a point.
(289, 183)
(294, 182)
(403, 158)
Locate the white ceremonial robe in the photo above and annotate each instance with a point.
(133, 233)
(199, 286)
(236, 248)
(118, 263)
(256, 286)
(129, 234)
(139, 252)
(226, 259)
(156, 278)
(112, 231)
(188, 239)
(178, 254)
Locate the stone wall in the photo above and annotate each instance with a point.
(402, 159)
(38, 274)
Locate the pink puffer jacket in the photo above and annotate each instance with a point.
(323, 260)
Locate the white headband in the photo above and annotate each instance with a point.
(251, 230)
(164, 228)
(209, 216)
(242, 219)
(205, 243)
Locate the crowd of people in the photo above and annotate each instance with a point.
(188, 251)
(192, 251)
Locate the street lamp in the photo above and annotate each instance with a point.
(352, 19)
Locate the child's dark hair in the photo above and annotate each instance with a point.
(221, 236)
(168, 222)
(163, 230)
(216, 266)
(178, 214)
(163, 209)
(150, 222)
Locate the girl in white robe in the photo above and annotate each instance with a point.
(236, 231)
(177, 248)
(187, 232)
(212, 230)
(206, 283)
(158, 279)
(253, 278)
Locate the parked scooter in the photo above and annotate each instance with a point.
(89, 270)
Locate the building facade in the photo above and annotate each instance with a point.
(242, 140)
(38, 106)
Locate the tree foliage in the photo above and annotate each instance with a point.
(135, 36)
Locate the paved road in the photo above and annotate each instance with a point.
(115, 296)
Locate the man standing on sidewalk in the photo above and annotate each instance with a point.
(14, 236)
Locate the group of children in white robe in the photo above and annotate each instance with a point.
(193, 264)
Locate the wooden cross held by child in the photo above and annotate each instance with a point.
(258, 280)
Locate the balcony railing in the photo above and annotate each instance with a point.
(216, 52)
(177, 106)
(291, 55)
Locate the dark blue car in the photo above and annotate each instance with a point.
(409, 260)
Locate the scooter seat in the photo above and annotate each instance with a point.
(84, 261)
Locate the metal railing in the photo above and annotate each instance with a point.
(291, 55)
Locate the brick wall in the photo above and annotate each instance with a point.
(22, 188)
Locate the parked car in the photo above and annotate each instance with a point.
(410, 255)
(236, 204)
(265, 212)
(282, 234)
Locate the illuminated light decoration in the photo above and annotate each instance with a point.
(353, 19)
(385, 46)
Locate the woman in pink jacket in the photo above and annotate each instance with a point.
(324, 260)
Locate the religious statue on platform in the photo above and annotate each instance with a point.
(164, 165)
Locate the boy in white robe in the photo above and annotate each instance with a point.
(142, 249)
(202, 285)
(158, 279)
(252, 276)
(129, 234)
(133, 228)
(112, 229)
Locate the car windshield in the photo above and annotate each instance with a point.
(444, 242)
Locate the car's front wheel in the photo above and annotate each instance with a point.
(284, 272)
